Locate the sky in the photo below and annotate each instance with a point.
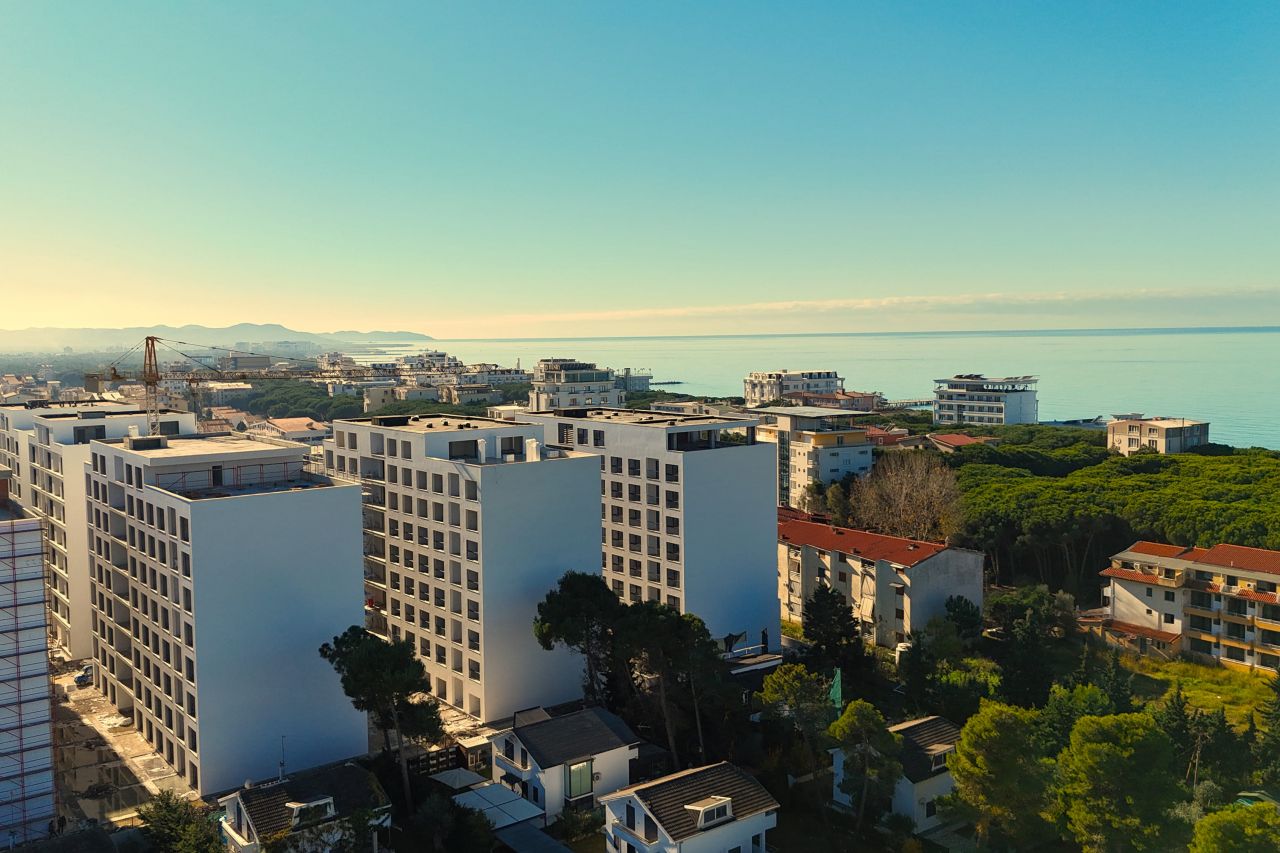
(583, 168)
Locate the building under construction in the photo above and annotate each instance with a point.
(26, 728)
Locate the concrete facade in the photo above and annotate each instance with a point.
(1128, 434)
(763, 387)
(220, 566)
(1217, 604)
(976, 399)
(686, 512)
(893, 585)
(468, 523)
(567, 382)
(815, 446)
(47, 448)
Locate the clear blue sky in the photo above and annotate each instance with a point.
(475, 169)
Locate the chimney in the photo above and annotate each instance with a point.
(531, 452)
(133, 431)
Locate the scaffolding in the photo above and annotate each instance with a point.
(27, 791)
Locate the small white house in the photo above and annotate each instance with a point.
(569, 760)
(709, 809)
(926, 743)
(308, 812)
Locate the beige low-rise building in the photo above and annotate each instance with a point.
(815, 446)
(894, 585)
(1218, 604)
(1129, 434)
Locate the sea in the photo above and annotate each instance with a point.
(1227, 376)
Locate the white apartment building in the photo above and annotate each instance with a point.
(46, 447)
(972, 398)
(567, 383)
(429, 361)
(26, 728)
(815, 445)
(468, 522)
(492, 374)
(687, 512)
(219, 568)
(893, 585)
(1221, 604)
(762, 387)
(1128, 434)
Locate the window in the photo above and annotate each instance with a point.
(1168, 619)
(1234, 653)
(1149, 592)
(577, 780)
(1203, 647)
(1168, 595)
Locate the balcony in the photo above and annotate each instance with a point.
(376, 624)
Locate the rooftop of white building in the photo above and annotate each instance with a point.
(433, 424)
(807, 412)
(647, 417)
(231, 445)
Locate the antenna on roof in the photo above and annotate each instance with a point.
(280, 777)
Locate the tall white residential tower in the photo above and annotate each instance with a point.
(687, 512)
(47, 446)
(219, 568)
(468, 522)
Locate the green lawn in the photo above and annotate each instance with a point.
(1206, 687)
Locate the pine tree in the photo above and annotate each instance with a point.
(1080, 676)
(1266, 750)
(1117, 683)
(1175, 720)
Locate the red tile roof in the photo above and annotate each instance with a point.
(858, 543)
(1240, 557)
(1127, 574)
(955, 439)
(1139, 631)
(1162, 549)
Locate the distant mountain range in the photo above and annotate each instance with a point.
(48, 339)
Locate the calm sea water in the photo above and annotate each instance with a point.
(1229, 377)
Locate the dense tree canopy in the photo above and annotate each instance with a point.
(1057, 528)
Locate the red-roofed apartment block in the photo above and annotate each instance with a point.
(894, 585)
(1219, 604)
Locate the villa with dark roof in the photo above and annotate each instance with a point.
(305, 811)
(1219, 604)
(714, 808)
(894, 585)
(564, 761)
(926, 743)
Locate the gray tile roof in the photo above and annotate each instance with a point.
(582, 734)
(666, 797)
(922, 740)
(351, 786)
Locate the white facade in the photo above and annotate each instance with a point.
(219, 569)
(565, 382)
(893, 585)
(763, 387)
(687, 512)
(976, 399)
(579, 781)
(815, 445)
(46, 448)
(468, 523)
(26, 728)
(916, 800)
(1128, 434)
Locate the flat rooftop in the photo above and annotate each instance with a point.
(646, 417)
(1157, 419)
(976, 378)
(431, 423)
(177, 447)
(807, 412)
(92, 414)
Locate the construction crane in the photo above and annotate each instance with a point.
(151, 375)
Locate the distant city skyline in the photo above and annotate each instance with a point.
(494, 170)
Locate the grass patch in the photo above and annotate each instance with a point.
(794, 630)
(1206, 687)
